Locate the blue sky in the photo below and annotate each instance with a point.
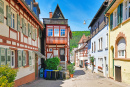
(76, 11)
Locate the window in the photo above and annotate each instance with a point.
(50, 50)
(50, 32)
(126, 9)
(12, 58)
(92, 47)
(107, 40)
(56, 32)
(115, 18)
(121, 48)
(62, 32)
(12, 20)
(100, 44)
(111, 21)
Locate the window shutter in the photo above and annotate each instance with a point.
(24, 57)
(8, 15)
(29, 30)
(23, 26)
(30, 58)
(18, 22)
(118, 15)
(8, 57)
(19, 58)
(111, 21)
(40, 33)
(121, 11)
(2, 56)
(35, 34)
(1, 11)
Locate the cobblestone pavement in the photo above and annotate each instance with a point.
(82, 78)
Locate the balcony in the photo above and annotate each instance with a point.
(56, 40)
(55, 21)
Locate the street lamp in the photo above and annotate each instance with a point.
(84, 22)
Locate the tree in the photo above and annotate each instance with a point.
(7, 76)
(92, 62)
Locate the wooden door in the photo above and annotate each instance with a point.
(118, 73)
(62, 54)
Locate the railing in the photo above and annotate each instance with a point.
(56, 40)
(55, 21)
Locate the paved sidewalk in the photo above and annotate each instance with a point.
(82, 78)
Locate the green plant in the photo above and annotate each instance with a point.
(52, 63)
(60, 68)
(7, 76)
(71, 68)
(92, 60)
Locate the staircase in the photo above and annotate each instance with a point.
(63, 65)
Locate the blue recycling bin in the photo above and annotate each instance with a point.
(41, 73)
(47, 74)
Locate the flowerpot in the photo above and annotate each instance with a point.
(71, 75)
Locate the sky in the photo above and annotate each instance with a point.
(76, 11)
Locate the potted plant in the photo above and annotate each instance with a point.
(60, 73)
(71, 69)
(92, 62)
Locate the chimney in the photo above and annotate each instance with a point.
(50, 14)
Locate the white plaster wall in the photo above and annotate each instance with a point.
(100, 54)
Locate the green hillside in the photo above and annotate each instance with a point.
(76, 36)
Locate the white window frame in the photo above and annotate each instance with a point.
(115, 18)
(49, 31)
(55, 32)
(50, 49)
(13, 55)
(121, 56)
(12, 20)
(126, 9)
(107, 40)
(61, 31)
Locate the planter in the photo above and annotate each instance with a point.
(71, 75)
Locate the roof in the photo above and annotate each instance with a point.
(82, 47)
(58, 13)
(83, 38)
(98, 12)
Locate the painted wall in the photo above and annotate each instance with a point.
(125, 65)
(99, 54)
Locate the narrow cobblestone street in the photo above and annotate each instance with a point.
(82, 78)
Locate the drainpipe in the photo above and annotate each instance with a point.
(109, 45)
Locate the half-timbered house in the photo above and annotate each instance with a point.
(81, 53)
(19, 39)
(58, 36)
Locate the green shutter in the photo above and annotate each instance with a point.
(2, 56)
(121, 7)
(35, 34)
(19, 58)
(24, 58)
(8, 57)
(111, 21)
(18, 22)
(31, 31)
(8, 15)
(1, 11)
(23, 26)
(118, 15)
(30, 58)
(28, 29)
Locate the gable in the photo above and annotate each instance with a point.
(58, 13)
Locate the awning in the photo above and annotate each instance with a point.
(39, 54)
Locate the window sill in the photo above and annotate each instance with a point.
(106, 48)
(122, 59)
(100, 50)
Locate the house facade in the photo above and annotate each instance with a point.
(57, 39)
(81, 53)
(72, 55)
(19, 39)
(119, 58)
(98, 45)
